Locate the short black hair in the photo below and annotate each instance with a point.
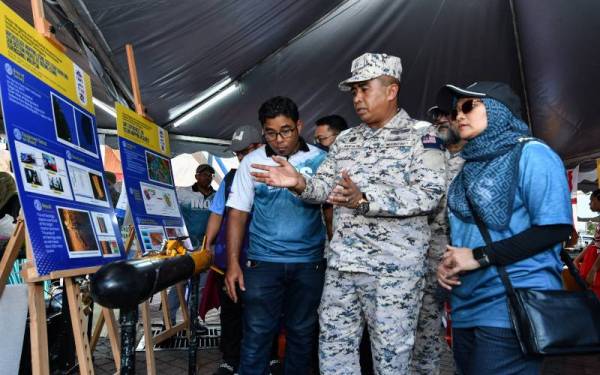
(595, 194)
(278, 106)
(336, 123)
(205, 167)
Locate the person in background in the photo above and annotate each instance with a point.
(588, 261)
(282, 278)
(194, 203)
(517, 186)
(111, 179)
(428, 340)
(327, 129)
(245, 140)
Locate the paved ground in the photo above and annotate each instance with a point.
(174, 362)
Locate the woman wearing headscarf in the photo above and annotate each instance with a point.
(517, 186)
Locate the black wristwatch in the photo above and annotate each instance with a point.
(481, 257)
(363, 205)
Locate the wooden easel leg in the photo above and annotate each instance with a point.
(97, 330)
(37, 329)
(166, 309)
(149, 338)
(11, 252)
(84, 355)
(183, 303)
(113, 335)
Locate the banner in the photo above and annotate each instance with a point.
(49, 120)
(148, 178)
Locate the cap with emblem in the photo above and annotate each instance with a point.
(372, 65)
(244, 136)
(494, 90)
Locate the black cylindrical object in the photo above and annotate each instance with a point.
(194, 325)
(128, 319)
(126, 283)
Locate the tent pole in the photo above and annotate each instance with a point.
(520, 58)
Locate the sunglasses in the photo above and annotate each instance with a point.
(465, 108)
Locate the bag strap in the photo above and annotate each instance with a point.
(502, 271)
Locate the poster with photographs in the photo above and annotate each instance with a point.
(145, 156)
(51, 131)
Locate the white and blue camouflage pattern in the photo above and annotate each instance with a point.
(372, 65)
(402, 173)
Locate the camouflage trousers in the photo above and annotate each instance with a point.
(428, 341)
(388, 305)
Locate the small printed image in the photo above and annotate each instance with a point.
(64, 120)
(56, 184)
(152, 236)
(32, 177)
(156, 239)
(102, 224)
(85, 130)
(158, 168)
(97, 186)
(49, 162)
(27, 158)
(109, 247)
(78, 231)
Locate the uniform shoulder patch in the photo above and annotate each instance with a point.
(432, 141)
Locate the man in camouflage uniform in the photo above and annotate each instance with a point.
(428, 341)
(384, 179)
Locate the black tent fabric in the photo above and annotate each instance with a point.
(302, 49)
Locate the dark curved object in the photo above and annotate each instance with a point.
(125, 284)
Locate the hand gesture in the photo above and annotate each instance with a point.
(346, 193)
(283, 175)
(455, 261)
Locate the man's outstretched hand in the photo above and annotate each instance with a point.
(283, 175)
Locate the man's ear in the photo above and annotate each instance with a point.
(392, 91)
(300, 125)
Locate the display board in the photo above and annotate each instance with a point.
(148, 177)
(51, 128)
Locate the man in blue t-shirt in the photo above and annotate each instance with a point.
(284, 272)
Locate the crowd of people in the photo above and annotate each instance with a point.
(349, 248)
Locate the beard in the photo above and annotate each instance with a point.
(448, 135)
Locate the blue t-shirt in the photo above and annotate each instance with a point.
(194, 210)
(217, 205)
(284, 228)
(542, 198)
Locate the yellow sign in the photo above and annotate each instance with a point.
(137, 129)
(21, 43)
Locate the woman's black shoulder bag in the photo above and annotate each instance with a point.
(552, 322)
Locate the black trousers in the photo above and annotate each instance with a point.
(231, 326)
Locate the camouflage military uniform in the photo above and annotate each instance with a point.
(428, 341)
(376, 262)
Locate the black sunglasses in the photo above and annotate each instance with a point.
(465, 108)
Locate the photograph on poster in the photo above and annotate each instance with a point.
(64, 120)
(56, 184)
(103, 224)
(73, 127)
(85, 131)
(109, 248)
(47, 175)
(88, 185)
(49, 162)
(27, 158)
(78, 232)
(152, 236)
(174, 232)
(32, 177)
(97, 186)
(159, 200)
(159, 168)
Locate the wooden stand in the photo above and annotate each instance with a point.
(37, 306)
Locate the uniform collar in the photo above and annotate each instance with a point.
(398, 121)
(303, 147)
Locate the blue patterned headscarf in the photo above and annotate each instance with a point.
(489, 176)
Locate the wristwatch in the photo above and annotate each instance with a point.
(363, 205)
(481, 257)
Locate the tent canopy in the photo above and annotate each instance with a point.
(303, 48)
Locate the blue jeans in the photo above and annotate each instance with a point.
(291, 291)
(491, 351)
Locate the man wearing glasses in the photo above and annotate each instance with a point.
(327, 130)
(428, 340)
(282, 279)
